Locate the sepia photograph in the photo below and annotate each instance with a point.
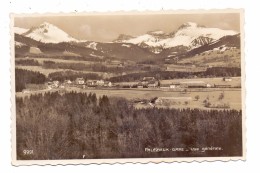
(129, 86)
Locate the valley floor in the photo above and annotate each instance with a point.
(165, 98)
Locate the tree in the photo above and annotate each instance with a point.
(197, 97)
(221, 96)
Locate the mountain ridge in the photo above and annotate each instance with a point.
(137, 51)
(49, 33)
(189, 34)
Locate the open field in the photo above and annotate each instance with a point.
(236, 81)
(231, 96)
(40, 60)
(46, 72)
(224, 58)
(184, 68)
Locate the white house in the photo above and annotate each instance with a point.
(67, 82)
(54, 84)
(208, 85)
(175, 85)
(227, 79)
(100, 82)
(80, 81)
(108, 84)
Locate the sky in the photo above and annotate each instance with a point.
(108, 27)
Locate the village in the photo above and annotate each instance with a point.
(145, 82)
(204, 93)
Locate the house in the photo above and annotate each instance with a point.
(56, 83)
(165, 86)
(100, 82)
(208, 85)
(91, 83)
(108, 84)
(140, 85)
(53, 84)
(120, 65)
(146, 80)
(80, 81)
(174, 85)
(227, 79)
(152, 84)
(67, 82)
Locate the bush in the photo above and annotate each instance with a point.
(221, 96)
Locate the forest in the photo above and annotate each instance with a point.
(81, 67)
(164, 75)
(23, 77)
(69, 125)
(72, 75)
(27, 62)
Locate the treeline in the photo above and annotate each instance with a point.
(72, 75)
(73, 125)
(81, 67)
(27, 62)
(223, 71)
(23, 77)
(164, 75)
(64, 57)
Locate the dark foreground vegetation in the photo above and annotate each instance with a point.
(76, 125)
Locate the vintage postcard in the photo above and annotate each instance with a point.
(126, 87)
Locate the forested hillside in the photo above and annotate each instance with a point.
(70, 125)
(164, 75)
(23, 77)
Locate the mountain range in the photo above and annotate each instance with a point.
(189, 39)
(190, 35)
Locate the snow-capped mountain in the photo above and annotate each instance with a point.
(189, 34)
(48, 33)
(18, 30)
(222, 44)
